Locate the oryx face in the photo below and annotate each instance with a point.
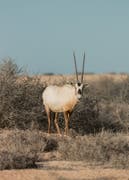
(79, 89)
(79, 84)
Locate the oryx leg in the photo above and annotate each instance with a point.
(66, 116)
(48, 118)
(56, 123)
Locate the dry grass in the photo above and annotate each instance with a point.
(87, 173)
(103, 148)
(90, 78)
(23, 149)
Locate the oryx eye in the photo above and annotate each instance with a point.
(79, 84)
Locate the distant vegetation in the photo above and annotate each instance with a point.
(48, 74)
(103, 114)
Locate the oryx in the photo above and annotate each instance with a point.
(63, 98)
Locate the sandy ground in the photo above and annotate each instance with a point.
(64, 170)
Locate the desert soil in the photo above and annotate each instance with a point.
(64, 170)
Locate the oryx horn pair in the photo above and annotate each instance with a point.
(82, 74)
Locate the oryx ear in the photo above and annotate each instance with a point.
(86, 85)
(71, 83)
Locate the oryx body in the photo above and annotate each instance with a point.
(62, 99)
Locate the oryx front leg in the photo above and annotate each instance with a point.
(66, 116)
(56, 123)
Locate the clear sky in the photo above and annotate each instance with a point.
(42, 34)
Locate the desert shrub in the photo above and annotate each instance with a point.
(114, 116)
(17, 160)
(20, 100)
(9, 69)
(125, 91)
(106, 88)
(111, 108)
(114, 149)
(19, 149)
(92, 116)
(23, 149)
(104, 148)
(51, 145)
(28, 105)
(85, 116)
(104, 106)
(22, 141)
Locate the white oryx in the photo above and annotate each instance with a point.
(63, 98)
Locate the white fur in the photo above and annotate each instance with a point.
(60, 99)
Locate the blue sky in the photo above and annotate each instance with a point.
(41, 35)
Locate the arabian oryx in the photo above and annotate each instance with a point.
(63, 98)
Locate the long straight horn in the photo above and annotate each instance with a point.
(75, 65)
(83, 68)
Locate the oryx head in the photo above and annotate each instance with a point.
(79, 84)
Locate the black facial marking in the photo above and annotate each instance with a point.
(79, 84)
(79, 91)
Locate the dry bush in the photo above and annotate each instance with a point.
(92, 116)
(84, 118)
(113, 104)
(17, 160)
(20, 102)
(22, 141)
(23, 149)
(114, 116)
(27, 104)
(104, 148)
(104, 106)
(19, 149)
(108, 89)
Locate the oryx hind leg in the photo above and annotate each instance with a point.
(56, 123)
(48, 118)
(66, 116)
